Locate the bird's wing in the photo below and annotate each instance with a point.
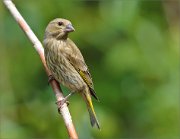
(77, 61)
(83, 71)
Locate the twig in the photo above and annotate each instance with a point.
(38, 46)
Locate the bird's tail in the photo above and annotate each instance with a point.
(92, 114)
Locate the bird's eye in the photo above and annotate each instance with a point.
(60, 23)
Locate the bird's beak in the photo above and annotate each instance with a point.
(69, 28)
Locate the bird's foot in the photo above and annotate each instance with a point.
(50, 78)
(60, 103)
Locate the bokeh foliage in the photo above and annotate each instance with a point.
(132, 49)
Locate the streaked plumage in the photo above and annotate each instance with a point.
(67, 64)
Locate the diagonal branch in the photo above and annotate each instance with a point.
(38, 46)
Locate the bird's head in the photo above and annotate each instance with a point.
(59, 28)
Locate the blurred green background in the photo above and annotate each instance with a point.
(132, 50)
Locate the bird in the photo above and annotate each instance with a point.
(67, 64)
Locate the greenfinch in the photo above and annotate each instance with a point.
(67, 64)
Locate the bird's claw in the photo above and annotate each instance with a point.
(50, 78)
(60, 103)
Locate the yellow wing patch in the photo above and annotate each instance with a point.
(86, 77)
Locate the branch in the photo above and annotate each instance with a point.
(38, 46)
